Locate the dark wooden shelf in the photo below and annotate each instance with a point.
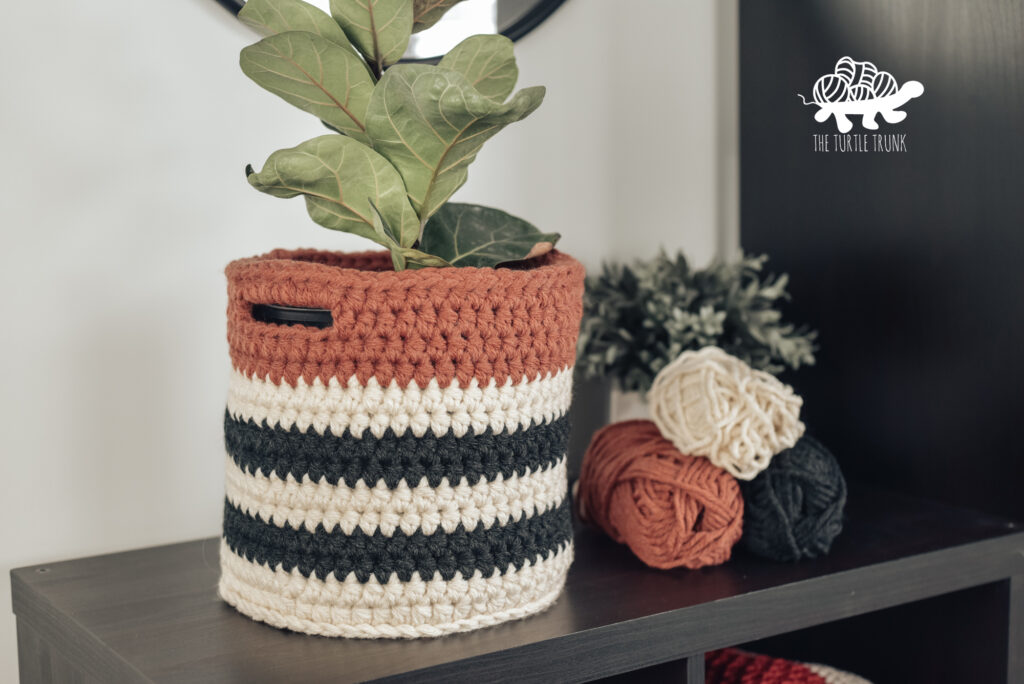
(153, 614)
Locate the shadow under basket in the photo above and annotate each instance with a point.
(396, 457)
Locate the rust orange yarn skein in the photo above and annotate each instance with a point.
(671, 509)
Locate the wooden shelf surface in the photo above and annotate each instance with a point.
(153, 614)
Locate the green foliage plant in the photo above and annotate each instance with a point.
(403, 134)
(638, 318)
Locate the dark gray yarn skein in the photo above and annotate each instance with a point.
(794, 508)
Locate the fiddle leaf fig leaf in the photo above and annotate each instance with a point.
(381, 226)
(388, 237)
(314, 74)
(472, 235)
(379, 28)
(430, 122)
(426, 13)
(402, 257)
(342, 180)
(270, 17)
(487, 62)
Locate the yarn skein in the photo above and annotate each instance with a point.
(709, 403)
(794, 509)
(671, 510)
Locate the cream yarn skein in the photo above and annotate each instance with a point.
(709, 403)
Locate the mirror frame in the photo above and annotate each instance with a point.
(529, 21)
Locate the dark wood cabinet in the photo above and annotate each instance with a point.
(152, 615)
(908, 263)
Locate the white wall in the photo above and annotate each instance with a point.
(125, 127)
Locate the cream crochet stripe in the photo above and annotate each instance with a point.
(352, 406)
(833, 676)
(307, 504)
(395, 609)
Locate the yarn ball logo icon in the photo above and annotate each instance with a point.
(860, 89)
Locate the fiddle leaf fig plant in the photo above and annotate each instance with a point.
(430, 122)
(404, 134)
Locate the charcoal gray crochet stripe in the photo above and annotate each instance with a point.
(321, 553)
(393, 458)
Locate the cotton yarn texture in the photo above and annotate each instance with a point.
(709, 403)
(672, 510)
(794, 509)
(401, 473)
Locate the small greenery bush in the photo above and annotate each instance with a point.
(638, 318)
(404, 134)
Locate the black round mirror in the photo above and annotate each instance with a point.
(512, 18)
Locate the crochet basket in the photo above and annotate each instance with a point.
(401, 473)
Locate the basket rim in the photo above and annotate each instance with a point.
(375, 265)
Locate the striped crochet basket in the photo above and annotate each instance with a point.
(402, 472)
(733, 666)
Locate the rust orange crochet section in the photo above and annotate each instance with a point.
(671, 509)
(443, 324)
